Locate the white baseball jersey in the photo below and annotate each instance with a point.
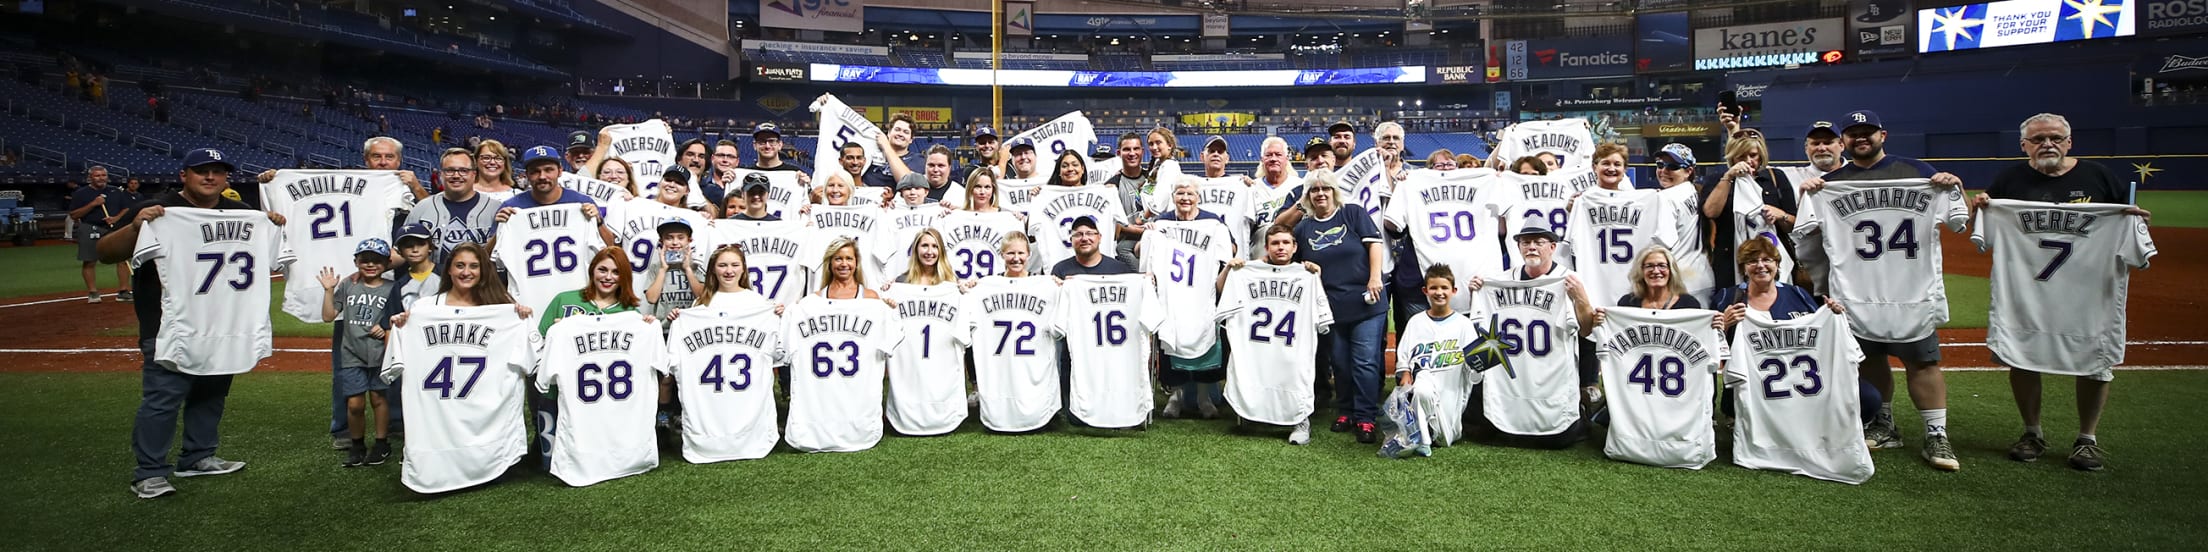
(782, 255)
(839, 125)
(1569, 139)
(1795, 397)
(1050, 220)
(1107, 322)
(927, 374)
(1608, 231)
(1528, 199)
(1690, 259)
(899, 228)
(1265, 204)
(603, 192)
(1451, 220)
(722, 358)
(463, 371)
(1433, 351)
(1017, 194)
(1015, 360)
(1071, 131)
(649, 148)
(1229, 198)
(546, 250)
(1537, 393)
(331, 211)
(606, 368)
(1185, 258)
(636, 223)
(1658, 371)
(784, 194)
(859, 222)
(1274, 316)
(1748, 224)
(214, 266)
(971, 239)
(1883, 240)
(837, 351)
(1364, 181)
(2061, 272)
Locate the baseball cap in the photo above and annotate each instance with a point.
(1216, 141)
(766, 128)
(1535, 231)
(207, 156)
(539, 154)
(755, 181)
(1679, 153)
(1340, 126)
(1084, 220)
(578, 139)
(1318, 142)
(1879, 11)
(1861, 117)
(912, 180)
(1820, 126)
(984, 130)
(675, 174)
(373, 245)
(1017, 143)
(672, 224)
(418, 230)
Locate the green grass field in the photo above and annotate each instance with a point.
(1184, 485)
(2176, 209)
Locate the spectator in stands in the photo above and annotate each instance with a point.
(985, 150)
(1318, 153)
(1022, 153)
(896, 141)
(1529, 165)
(1442, 160)
(494, 170)
(1131, 183)
(579, 148)
(766, 141)
(1344, 138)
(941, 188)
(617, 172)
(97, 209)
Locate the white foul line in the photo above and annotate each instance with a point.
(13, 305)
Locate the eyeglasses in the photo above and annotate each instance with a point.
(1748, 134)
(1086, 233)
(457, 170)
(1671, 166)
(727, 155)
(1665, 266)
(2051, 139)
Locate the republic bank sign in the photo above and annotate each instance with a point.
(1769, 44)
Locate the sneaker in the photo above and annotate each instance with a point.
(92, 297)
(973, 400)
(1204, 406)
(1302, 434)
(2087, 455)
(356, 456)
(340, 443)
(152, 487)
(125, 296)
(1341, 424)
(379, 454)
(2028, 448)
(1366, 433)
(1881, 435)
(211, 466)
(1173, 404)
(1940, 454)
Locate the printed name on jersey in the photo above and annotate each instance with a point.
(1685, 344)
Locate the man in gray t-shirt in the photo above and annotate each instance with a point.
(457, 215)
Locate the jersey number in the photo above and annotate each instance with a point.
(1776, 368)
(1668, 375)
(739, 362)
(243, 260)
(325, 213)
(1020, 345)
(440, 378)
(617, 381)
(561, 250)
(824, 364)
(641, 251)
(1614, 247)
(759, 279)
(2062, 254)
(1285, 328)
(1109, 330)
(1184, 268)
(1877, 243)
(1557, 218)
(1458, 226)
(975, 263)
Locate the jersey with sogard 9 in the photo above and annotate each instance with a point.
(1015, 360)
(837, 352)
(1883, 240)
(605, 369)
(1657, 375)
(927, 373)
(1608, 231)
(1107, 322)
(1274, 317)
(1537, 391)
(1794, 382)
(1450, 218)
(336, 209)
(214, 266)
(463, 371)
(2061, 272)
(722, 358)
(545, 251)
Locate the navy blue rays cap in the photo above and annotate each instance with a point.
(766, 128)
(539, 154)
(1861, 117)
(984, 130)
(207, 156)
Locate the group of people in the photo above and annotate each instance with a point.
(1051, 286)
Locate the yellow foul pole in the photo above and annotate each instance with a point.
(996, 50)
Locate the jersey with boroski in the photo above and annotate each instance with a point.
(782, 255)
(463, 371)
(838, 348)
(1185, 258)
(1539, 200)
(1658, 371)
(1794, 383)
(1537, 389)
(1609, 229)
(1107, 322)
(546, 251)
(1451, 220)
(1274, 316)
(605, 368)
(1015, 360)
(2061, 272)
(212, 267)
(335, 209)
(927, 373)
(722, 358)
(971, 239)
(1883, 240)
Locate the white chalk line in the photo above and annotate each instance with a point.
(106, 297)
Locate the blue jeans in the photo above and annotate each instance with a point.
(1357, 367)
(163, 395)
(337, 399)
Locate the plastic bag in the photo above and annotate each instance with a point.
(1403, 426)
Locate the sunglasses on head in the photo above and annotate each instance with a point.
(1670, 166)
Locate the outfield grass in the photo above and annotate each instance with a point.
(48, 269)
(2174, 209)
(1968, 299)
(285, 325)
(1183, 485)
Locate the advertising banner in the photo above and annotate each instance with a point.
(1454, 74)
(2164, 17)
(1768, 44)
(1019, 19)
(1567, 58)
(1215, 25)
(1881, 27)
(778, 72)
(925, 116)
(1665, 43)
(2019, 22)
(843, 16)
(828, 72)
(1681, 130)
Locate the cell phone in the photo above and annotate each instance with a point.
(1728, 102)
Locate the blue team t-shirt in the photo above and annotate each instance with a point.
(1792, 301)
(524, 201)
(1337, 244)
(1891, 167)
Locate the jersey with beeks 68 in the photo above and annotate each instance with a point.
(464, 370)
(927, 373)
(333, 210)
(1658, 367)
(722, 358)
(605, 368)
(1537, 391)
(2061, 272)
(1883, 240)
(214, 267)
(1274, 317)
(1107, 322)
(545, 251)
(1794, 385)
(1015, 360)
(1451, 220)
(838, 350)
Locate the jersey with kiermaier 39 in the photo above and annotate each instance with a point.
(214, 266)
(722, 358)
(1658, 367)
(1884, 243)
(605, 368)
(2061, 272)
(838, 350)
(335, 209)
(971, 239)
(1274, 317)
(1537, 391)
(464, 370)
